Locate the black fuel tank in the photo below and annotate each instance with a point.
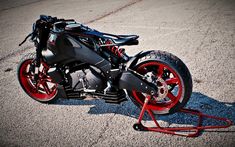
(59, 48)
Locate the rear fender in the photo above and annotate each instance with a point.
(130, 80)
(134, 60)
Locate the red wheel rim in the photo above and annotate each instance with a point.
(171, 98)
(45, 89)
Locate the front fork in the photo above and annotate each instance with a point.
(38, 62)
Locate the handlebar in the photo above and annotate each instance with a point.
(42, 22)
(25, 39)
(50, 19)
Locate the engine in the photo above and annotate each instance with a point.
(92, 81)
(87, 80)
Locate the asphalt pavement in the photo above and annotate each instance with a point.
(201, 33)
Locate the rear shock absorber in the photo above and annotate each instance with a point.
(120, 52)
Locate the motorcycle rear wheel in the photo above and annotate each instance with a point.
(174, 82)
(44, 90)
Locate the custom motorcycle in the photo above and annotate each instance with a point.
(84, 61)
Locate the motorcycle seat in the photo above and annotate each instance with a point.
(117, 39)
(126, 40)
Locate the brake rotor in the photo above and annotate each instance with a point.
(162, 89)
(161, 85)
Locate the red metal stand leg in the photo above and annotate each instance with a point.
(182, 131)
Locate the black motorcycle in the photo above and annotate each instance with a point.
(85, 61)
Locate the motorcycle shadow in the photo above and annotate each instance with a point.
(198, 101)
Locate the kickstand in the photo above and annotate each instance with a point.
(181, 131)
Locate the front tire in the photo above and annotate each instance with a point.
(42, 90)
(173, 80)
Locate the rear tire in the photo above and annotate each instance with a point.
(45, 91)
(171, 72)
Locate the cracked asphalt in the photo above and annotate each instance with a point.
(200, 32)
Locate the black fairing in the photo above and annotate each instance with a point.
(64, 48)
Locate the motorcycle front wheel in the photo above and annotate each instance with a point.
(44, 89)
(172, 78)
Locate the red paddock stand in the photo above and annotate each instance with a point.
(181, 131)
